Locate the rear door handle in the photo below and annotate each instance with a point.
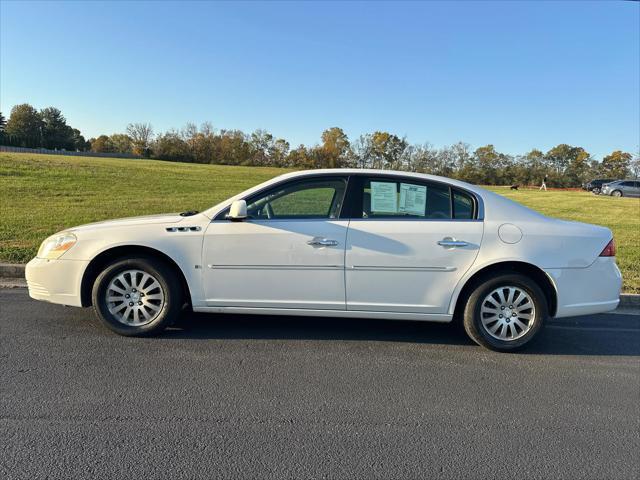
(450, 242)
(322, 242)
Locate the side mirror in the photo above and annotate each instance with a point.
(238, 211)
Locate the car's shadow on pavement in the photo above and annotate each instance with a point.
(594, 335)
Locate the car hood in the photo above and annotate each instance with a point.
(131, 221)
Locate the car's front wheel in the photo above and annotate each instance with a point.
(505, 312)
(137, 296)
(616, 193)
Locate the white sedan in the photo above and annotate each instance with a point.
(339, 243)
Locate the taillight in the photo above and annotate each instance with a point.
(609, 250)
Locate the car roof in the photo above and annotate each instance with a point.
(391, 173)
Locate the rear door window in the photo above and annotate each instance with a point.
(390, 198)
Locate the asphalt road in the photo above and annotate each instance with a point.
(273, 397)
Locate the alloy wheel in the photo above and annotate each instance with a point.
(134, 297)
(507, 313)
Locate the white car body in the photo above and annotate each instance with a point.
(378, 268)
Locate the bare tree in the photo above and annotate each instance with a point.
(141, 135)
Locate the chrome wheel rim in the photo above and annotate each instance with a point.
(507, 313)
(134, 297)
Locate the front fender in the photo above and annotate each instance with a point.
(183, 248)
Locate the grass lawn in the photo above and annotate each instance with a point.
(42, 194)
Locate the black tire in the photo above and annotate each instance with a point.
(596, 191)
(472, 319)
(616, 193)
(168, 309)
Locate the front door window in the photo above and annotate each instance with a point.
(310, 199)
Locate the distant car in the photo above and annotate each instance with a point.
(339, 243)
(596, 185)
(622, 188)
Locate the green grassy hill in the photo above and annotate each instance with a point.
(42, 194)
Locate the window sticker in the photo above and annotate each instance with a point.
(413, 199)
(384, 198)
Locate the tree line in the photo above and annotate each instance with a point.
(47, 128)
(564, 165)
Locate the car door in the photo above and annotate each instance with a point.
(626, 187)
(289, 252)
(409, 243)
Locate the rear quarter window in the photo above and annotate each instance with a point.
(463, 206)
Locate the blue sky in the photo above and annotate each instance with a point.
(515, 74)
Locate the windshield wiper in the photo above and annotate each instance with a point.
(188, 213)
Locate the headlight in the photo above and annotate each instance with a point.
(53, 247)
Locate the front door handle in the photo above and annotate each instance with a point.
(450, 242)
(322, 242)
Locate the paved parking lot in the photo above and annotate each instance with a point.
(277, 397)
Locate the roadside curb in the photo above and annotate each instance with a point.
(12, 282)
(629, 300)
(13, 273)
(11, 270)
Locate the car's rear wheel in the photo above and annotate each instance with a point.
(137, 296)
(596, 190)
(505, 313)
(616, 193)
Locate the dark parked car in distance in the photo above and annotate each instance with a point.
(621, 188)
(596, 185)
